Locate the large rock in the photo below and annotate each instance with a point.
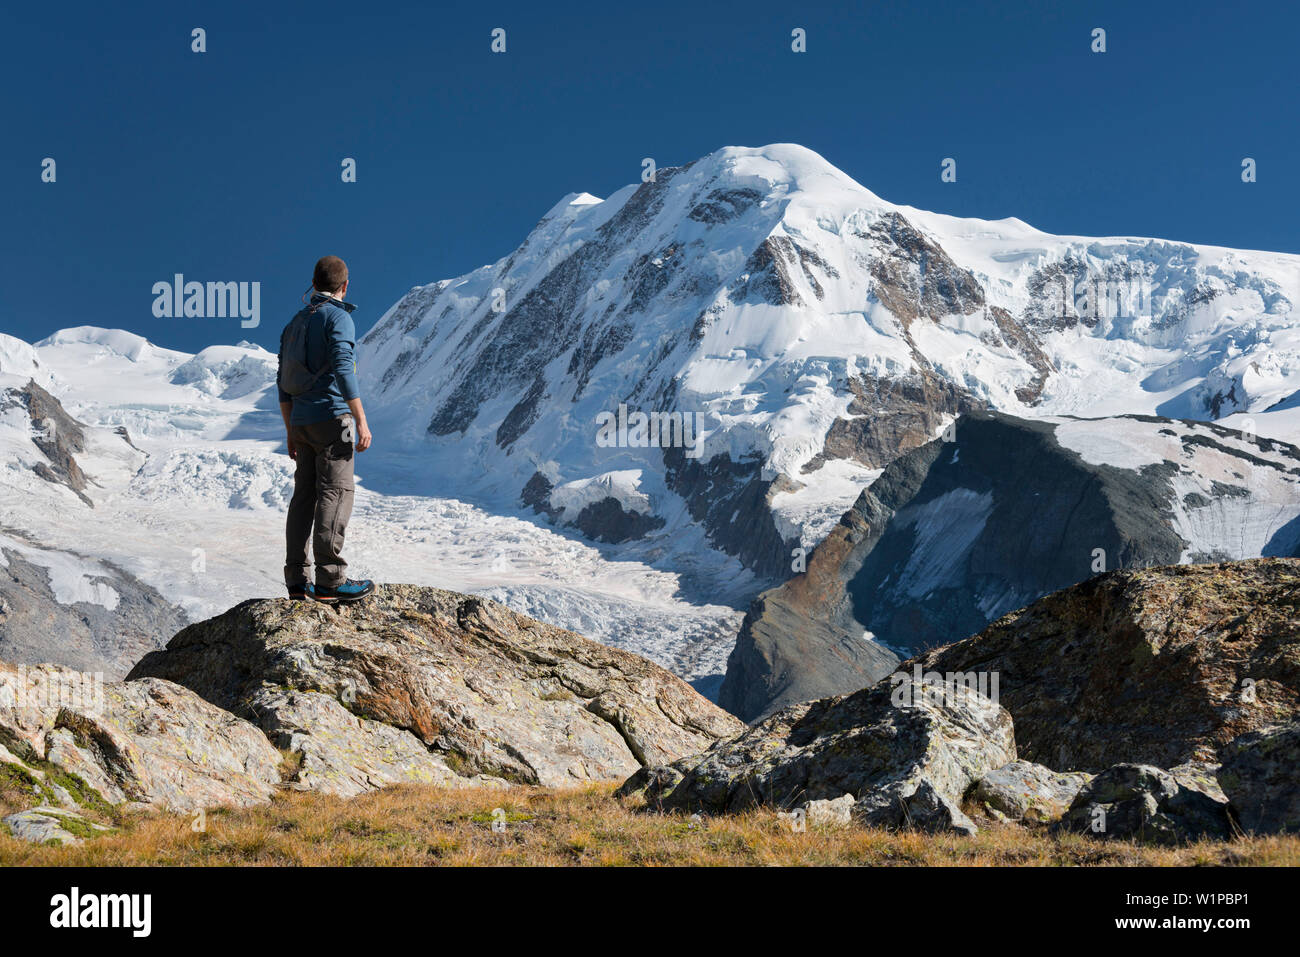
(148, 742)
(339, 753)
(1261, 778)
(1028, 792)
(996, 514)
(1143, 803)
(907, 759)
(481, 690)
(1160, 666)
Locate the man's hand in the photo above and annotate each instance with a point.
(293, 449)
(359, 420)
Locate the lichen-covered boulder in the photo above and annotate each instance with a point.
(907, 760)
(1147, 804)
(339, 753)
(51, 825)
(148, 742)
(1028, 792)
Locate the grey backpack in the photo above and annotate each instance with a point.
(295, 376)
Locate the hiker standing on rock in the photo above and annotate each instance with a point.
(321, 404)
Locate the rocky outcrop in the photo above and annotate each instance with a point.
(336, 752)
(1144, 803)
(1126, 692)
(995, 515)
(429, 685)
(415, 685)
(57, 435)
(1261, 777)
(1160, 666)
(82, 743)
(94, 616)
(915, 278)
(906, 759)
(891, 415)
(1026, 792)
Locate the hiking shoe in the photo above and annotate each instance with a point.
(301, 592)
(351, 590)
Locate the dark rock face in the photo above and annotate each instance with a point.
(1004, 514)
(730, 500)
(1159, 667)
(58, 436)
(536, 495)
(1261, 778)
(424, 684)
(88, 636)
(724, 205)
(964, 529)
(767, 276)
(521, 418)
(608, 521)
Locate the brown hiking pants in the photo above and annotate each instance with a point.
(322, 502)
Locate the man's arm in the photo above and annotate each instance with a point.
(286, 410)
(286, 400)
(343, 362)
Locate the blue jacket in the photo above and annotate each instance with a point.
(331, 340)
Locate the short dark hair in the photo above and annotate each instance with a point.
(331, 273)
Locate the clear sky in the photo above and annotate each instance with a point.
(225, 165)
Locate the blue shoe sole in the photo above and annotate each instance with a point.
(329, 599)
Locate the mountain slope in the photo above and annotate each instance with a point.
(961, 531)
(812, 332)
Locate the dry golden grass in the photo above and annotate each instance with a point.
(416, 825)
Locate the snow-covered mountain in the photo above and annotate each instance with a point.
(793, 334)
(812, 332)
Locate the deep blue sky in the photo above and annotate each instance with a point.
(225, 165)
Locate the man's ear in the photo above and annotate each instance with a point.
(343, 290)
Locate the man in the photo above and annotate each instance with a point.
(321, 405)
